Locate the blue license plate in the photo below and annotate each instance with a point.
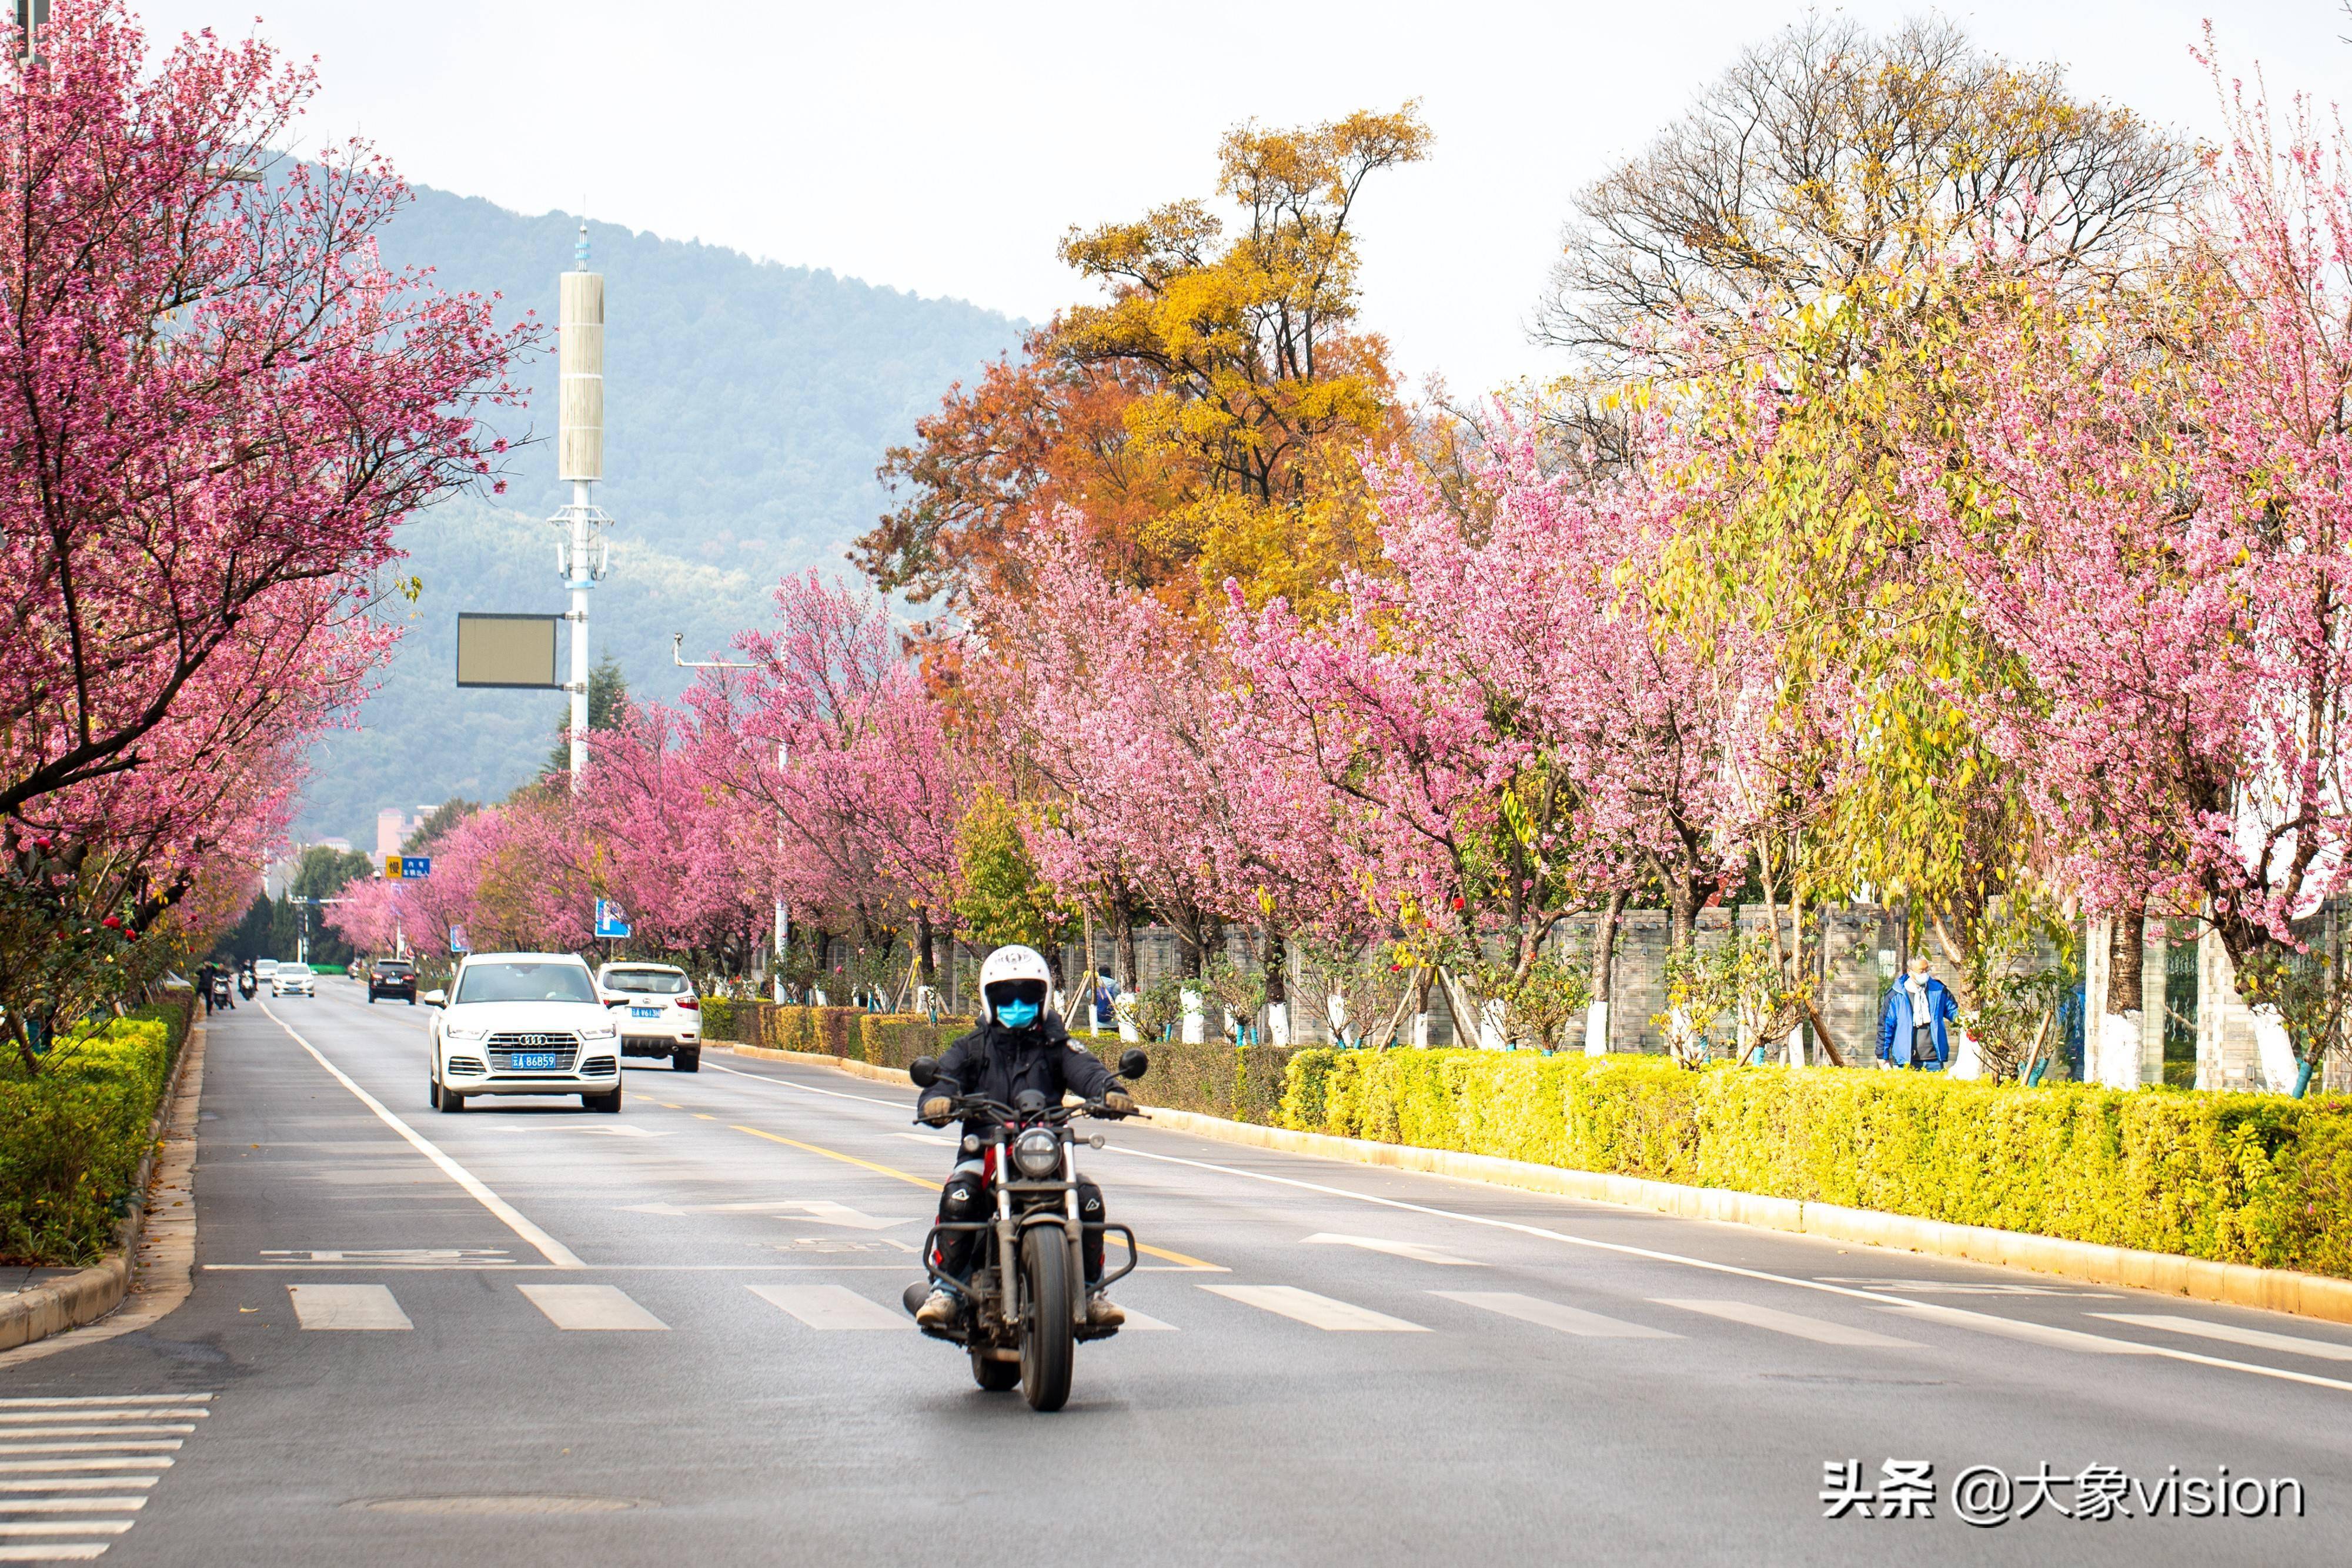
(537, 1061)
(645, 1012)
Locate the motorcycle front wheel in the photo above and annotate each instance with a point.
(1047, 1344)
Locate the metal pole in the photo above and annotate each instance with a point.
(582, 510)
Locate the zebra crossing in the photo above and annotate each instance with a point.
(834, 1308)
(75, 1472)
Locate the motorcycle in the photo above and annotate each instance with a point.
(220, 991)
(247, 985)
(1026, 1296)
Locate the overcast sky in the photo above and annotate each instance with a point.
(944, 148)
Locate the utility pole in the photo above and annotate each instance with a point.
(581, 555)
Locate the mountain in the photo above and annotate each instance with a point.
(746, 406)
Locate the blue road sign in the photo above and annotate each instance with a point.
(416, 865)
(610, 920)
(457, 943)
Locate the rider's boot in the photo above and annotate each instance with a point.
(939, 1310)
(1102, 1312)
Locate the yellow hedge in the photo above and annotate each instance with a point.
(2239, 1179)
(71, 1139)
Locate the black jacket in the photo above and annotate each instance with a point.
(999, 1063)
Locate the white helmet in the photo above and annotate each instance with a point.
(1024, 967)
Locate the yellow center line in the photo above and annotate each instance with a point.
(924, 1182)
(930, 1186)
(700, 1117)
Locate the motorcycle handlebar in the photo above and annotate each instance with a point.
(1051, 1115)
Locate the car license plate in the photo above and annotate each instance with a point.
(645, 1012)
(540, 1061)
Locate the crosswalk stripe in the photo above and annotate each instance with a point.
(2293, 1344)
(71, 1504)
(92, 1400)
(1552, 1315)
(1316, 1311)
(126, 1462)
(590, 1307)
(1413, 1250)
(67, 1527)
(157, 1445)
(74, 1483)
(159, 1430)
(2018, 1327)
(1819, 1330)
(27, 1418)
(347, 1307)
(62, 1551)
(833, 1307)
(1144, 1322)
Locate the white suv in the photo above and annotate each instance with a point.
(658, 1014)
(522, 1023)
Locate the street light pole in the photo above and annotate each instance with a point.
(580, 457)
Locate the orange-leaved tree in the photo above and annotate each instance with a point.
(1203, 420)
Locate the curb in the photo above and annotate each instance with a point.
(94, 1291)
(2230, 1284)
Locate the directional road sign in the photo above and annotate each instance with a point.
(610, 920)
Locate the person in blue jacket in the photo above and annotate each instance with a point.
(1918, 1011)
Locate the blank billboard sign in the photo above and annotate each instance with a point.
(517, 651)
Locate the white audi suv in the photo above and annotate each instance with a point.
(522, 1023)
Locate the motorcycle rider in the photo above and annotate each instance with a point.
(1019, 1044)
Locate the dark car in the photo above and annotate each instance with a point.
(392, 977)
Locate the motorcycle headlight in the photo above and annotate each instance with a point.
(1038, 1152)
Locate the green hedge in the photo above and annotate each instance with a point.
(2239, 1179)
(1218, 1080)
(71, 1140)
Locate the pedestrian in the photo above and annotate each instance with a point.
(1914, 1030)
(205, 987)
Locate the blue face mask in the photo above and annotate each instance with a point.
(1016, 1014)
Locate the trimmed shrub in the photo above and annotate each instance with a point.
(2239, 1179)
(71, 1140)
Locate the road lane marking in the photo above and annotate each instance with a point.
(1552, 1315)
(158, 1445)
(2294, 1344)
(11, 1417)
(63, 1551)
(1143, 1322)
(822, 1210)
(72, 1483)
(347, 1307)
(1316, 1311)
(1820, 1331)
(1412, 1249)
(73, 1504)
(924, 1182)
(2019, 1328)
(811, 1089)
(833, 1307)
(932, 1138)
(12, 1433)
(67, 1527)
(1989, 1322)
(126, 1462)
(549, 1248)
(90, 1400)
(603, 1308)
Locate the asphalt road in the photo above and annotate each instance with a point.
(529, 1334)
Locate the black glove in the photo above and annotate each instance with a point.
(1118, 1103)
(937, 1108)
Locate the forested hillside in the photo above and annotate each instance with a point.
(746, 407)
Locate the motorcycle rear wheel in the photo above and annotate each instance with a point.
(1048, 1345)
